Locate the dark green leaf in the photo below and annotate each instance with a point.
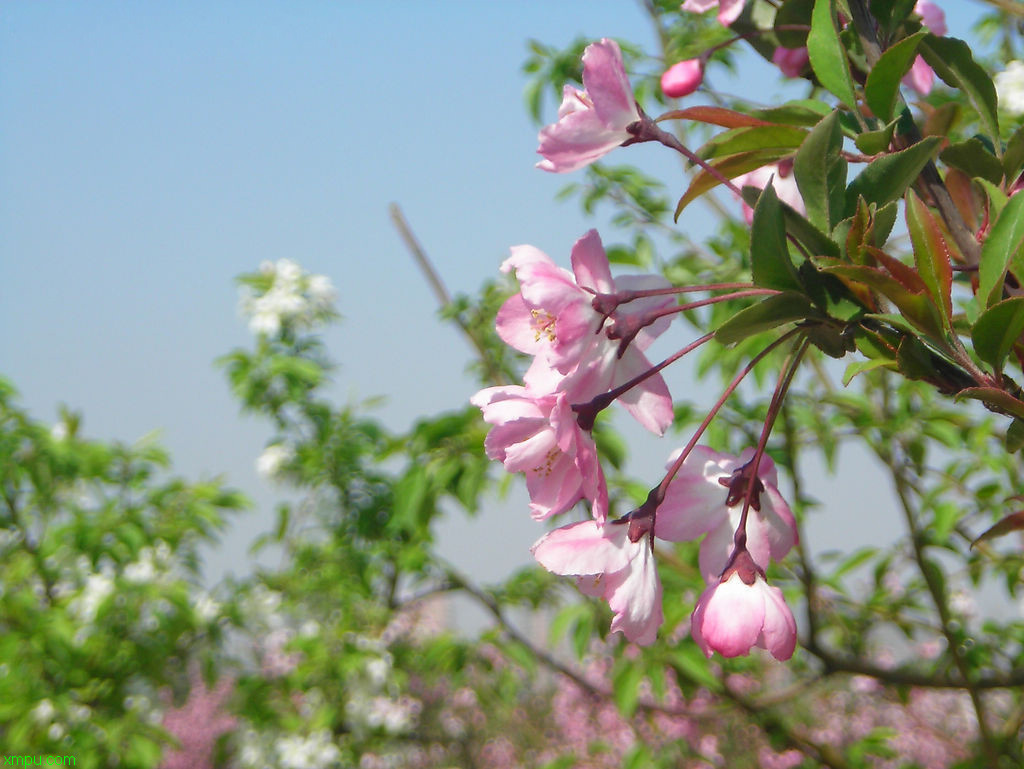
(801, 112)
(952, 61)
(771, 264)
(973, 158)
(828, 57)
(875, 142)
(793, 13)
(886, 178)
(996, 331)
(773, 311)
(1001, 250)
(883, 84)
(1013, 158)
(1015, 436)
(821, 173)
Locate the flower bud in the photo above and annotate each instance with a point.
(683, 78)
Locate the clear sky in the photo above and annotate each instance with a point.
(150, 152)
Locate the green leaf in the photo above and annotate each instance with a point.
(729, 167)
(860, 366)
(756, 138)
(771, 264)
(916, 308)
(1013, 158)
(886, 178)
(953, 62)
(821, 173)
(773, 311)
(827, 55)
(876, 142)
(1003, 248)
(719, 116)
(973, 158)
(932, 255)
(1015, 436)
(997, 329)
(626, 679)
(882, 87)
(690, 660)
(801, 112)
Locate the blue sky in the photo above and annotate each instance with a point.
(149, 153)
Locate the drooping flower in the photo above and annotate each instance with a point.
(682, 78)
(696, 504)
(782, 179)
(728, 10)
(791, 61)
(1010, 88)
(742, 611)
(538, 435)
(553, 318)
(592, 122)
(921, 77)
(610, 566)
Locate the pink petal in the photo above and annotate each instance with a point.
(590, 264)
(584, 548)
(778, 635)
(528, 445)
(695, 501)
(649, 402)
(555, 488)
(634, 595)
(699, 6)
(932, 15)
(729, 11)
(921, 77)
(576, 140)
(516, 326)
(645, 305)
(716, 548)
(606, 84)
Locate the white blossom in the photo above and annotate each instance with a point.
(43, 712)
(316, 751)
(1010, 88)
(273, 458)
(98, 587)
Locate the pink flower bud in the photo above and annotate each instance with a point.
(791, 61)
(683, 78)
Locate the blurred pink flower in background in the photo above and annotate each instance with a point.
(921, 77)
(198, 723)
(782, 179)
(728, 10)
(791, 61)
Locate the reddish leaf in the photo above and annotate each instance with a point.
(1012, 522)
(726, 118)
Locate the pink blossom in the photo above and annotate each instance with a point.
(198, 723)
(740, 612)
(683, 78)
(791, 61)
(921, 77)
(782, 179)
(538, 435)
(695, 504)
(553, 318)
(728, 10)
(592, 122)
(612, 567)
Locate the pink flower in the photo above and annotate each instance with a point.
(782, 179)
(538, 435)
(791, 61)
(553, 318)
(198, 723)
(921, 77)
(683, 78)
(728, 10)
(743, 611)
(695, 504)
(612, 567)
(591, 123)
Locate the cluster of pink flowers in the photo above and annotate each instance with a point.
(587, 333)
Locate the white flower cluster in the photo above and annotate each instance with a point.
(152, 565)
(274, 457)
(316, 751)
(1010, 88)
(371, 705)
(294, 296)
